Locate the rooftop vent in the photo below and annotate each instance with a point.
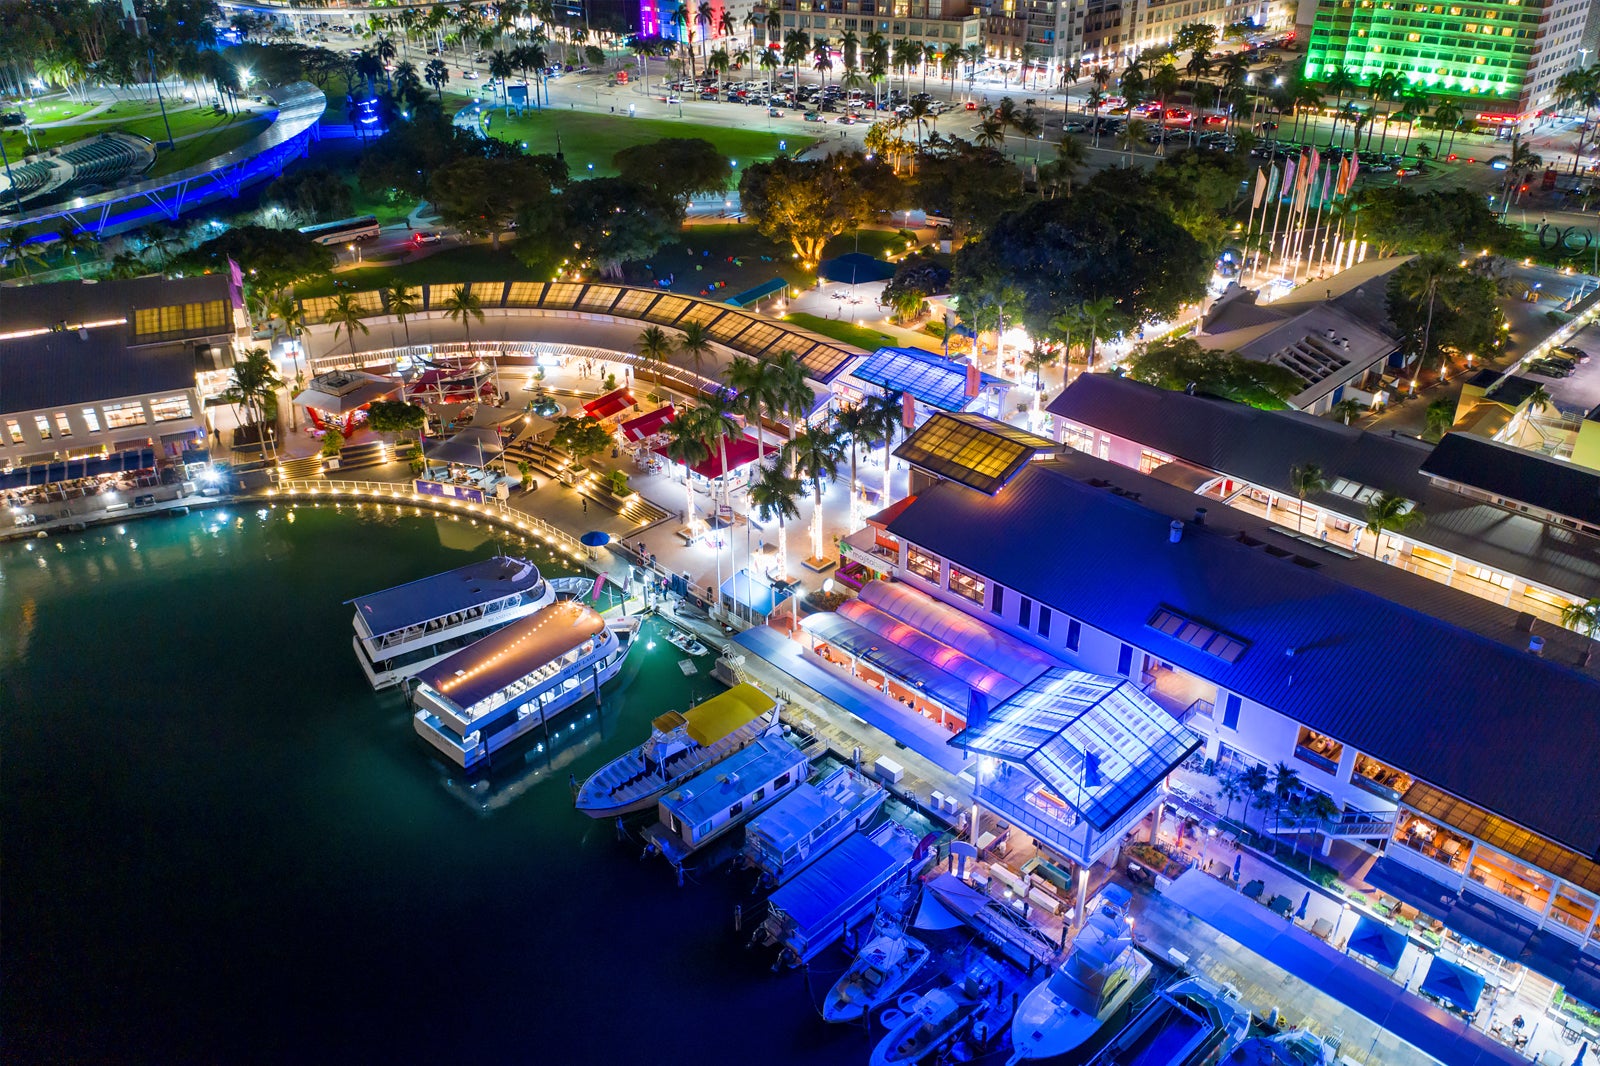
(1536, 645)
(1175, 531)
(1199, 516)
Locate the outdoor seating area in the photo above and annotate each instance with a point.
(1434, 841)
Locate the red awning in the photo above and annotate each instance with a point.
(648, 424)
(610, 404)
(890, 513)
(741, 452)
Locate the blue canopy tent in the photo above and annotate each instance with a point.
(760, 292)
(855, 268)
(1380, 943)
(1453, 985)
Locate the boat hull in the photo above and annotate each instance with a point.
(846, 1003)
(1046, 1026)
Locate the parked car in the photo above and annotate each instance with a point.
(773, 112)
(1573, 353)
(814, 116)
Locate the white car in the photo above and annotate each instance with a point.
(470, 75)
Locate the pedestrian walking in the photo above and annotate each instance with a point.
(585, 500)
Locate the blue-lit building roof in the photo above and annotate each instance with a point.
(931, 378)
(1353, 649)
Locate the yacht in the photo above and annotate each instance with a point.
(1193, 1022)
(881, 968)
(1100, 973)
(401, 631)
(926, 1024)
(680, 746)
(723, 796)
(806, 823)
(515, 680)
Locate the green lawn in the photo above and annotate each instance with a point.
(588, 138)
(848, 332)
(476, 262)
(212, 133)
(197, 149)
(58, 109)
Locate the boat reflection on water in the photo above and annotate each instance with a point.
(530, 763)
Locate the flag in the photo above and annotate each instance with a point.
(1288, 177)
(599, 583)
(1261, 189)
(1302, 183)
(1350, 176)
(908, 410)
(235, 282)
(1316, 160)
(974, 380)
(1272, 182)
(1327, 185)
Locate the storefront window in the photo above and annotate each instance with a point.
(1379, 779)
(1512, 879)
(1150, 461)
(1080, 439)
(123, 415)
(91, 418)
(922, 564)
(1432, 840)
(1573, 908)
(1318, 750)
(168, 408)
(964, 584)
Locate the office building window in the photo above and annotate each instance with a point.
(122, 415)
(168, 408)
(1125, 660)
(1230, 711)
(1044, 620)
(14, 430)
(91, 418)
(1024, 611)
(1074, 631)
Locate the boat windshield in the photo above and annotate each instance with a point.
(1064, 987)
(872, 977)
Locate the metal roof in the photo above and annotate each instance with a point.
(1095, 741)
(978, 451)
(931, 378)
(1517, 474)
(479, 670)
(1260, 447)
(1354, 649)
(75, 302)
(713, 789)
(61, 369)
(442, 594)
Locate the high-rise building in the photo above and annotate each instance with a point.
(945, 24)
(1506, 53)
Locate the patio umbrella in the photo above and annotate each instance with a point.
(1238, 866)
(1584, 1050)
(595, 539)
(1301, 913)
(1373, 940)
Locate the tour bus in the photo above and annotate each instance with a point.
(360, 228)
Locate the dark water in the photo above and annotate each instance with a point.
(219, 846)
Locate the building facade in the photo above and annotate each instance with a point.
(1508, 54)
(945, 24)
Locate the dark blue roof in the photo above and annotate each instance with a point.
(1474, 716)
(446, 593)
(833, 881)
(931, 378)
(1517, 474)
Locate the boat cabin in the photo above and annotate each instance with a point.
(728, 793)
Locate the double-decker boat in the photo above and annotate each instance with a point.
(401, 631)
(482, 698)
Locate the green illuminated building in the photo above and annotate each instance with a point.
(1505, 53)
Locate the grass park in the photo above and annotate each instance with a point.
(199, 132)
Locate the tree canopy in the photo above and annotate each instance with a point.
(482, 196)
(1109, 239)
(808, 203)
(1466, 308)
(1183, 363)
(1399, 220)
(678, 167)
(970, 185)
(603, 221)
(392, 416)
(582, 437)
(271, 259)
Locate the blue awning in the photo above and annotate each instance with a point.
(1378, 942)
(1453, 984)
(833, 881)
(1409, 886)
(754, 593)
(760, 292)
(1496, 928)
(54, 473)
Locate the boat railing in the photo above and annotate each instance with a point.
(403, 493)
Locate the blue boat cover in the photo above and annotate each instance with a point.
(833, 882)
(1429, 1028)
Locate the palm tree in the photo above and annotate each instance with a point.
(860, 425)
(254, 383)
(886, 412)
(1307, 479)
(1446, 116)
(345, 314)
(1230, 786)
(1285, 783)
(822, 57)
(284, 308)
(1390, 512)
(464, 305)
(1441, 415)
(719, 409)
(1583, 618)
(696, 345)
(1134, 132)
(654, 347)
(815, 454)
(755, 383)
(402, 304)
(1539, 399)
(1094, 314)
(437, 75)
(686, 443)
(1255, 781)
(773, 495)
(1422, 282)
(1345, 410)
(72, 243)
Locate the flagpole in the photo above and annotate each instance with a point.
(1256, 199)
(1277, 213)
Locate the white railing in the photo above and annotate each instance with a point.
(398, 493)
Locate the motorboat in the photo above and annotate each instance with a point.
(1292, 1047)
(687, 643)
(881, 968)
(1099, 975)
(923, 1025)
(679, 746)
(1193, 1022)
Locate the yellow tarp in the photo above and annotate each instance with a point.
(721, 715)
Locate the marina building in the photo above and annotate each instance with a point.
(93, 369)
(513, 681)
(1508, 54)
(1441, 729)
(1512, 527)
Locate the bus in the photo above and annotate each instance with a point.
(360, 228)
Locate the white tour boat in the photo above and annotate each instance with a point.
(484, 697)
(809, 821)
(680, 746)
(726, 795)
(399, 632)
(1101, 971)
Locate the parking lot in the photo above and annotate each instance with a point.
(1579, 390)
